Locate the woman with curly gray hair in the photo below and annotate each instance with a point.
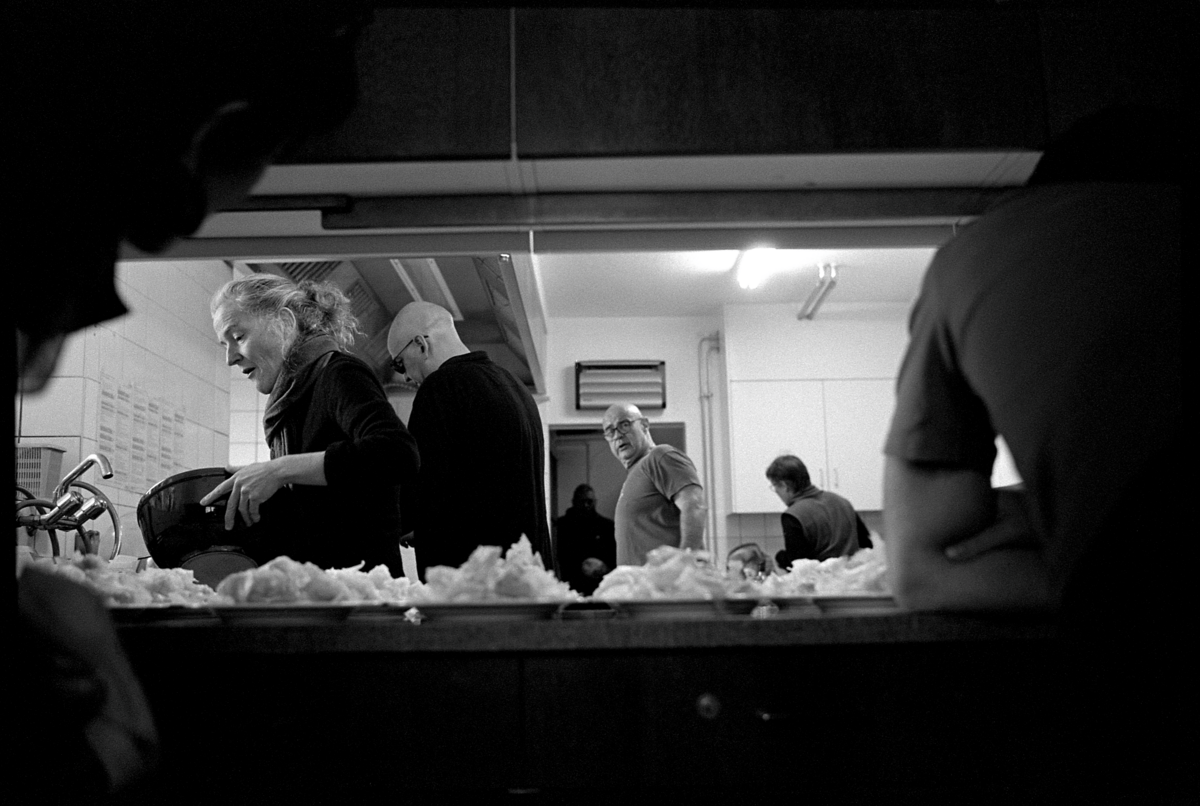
(339, 453)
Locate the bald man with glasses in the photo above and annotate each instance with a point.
(662, 501)
(482, 477)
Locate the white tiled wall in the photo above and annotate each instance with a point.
(761, 528)
(163, 350)
(247, 442)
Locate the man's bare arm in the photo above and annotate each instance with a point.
(927, 511)
(693, 509)
(1011, 529)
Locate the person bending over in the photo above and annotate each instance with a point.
(337, 446)
(817, 524)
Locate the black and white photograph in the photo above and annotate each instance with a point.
(592, 405)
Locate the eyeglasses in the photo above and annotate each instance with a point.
(398, 360)
(622, 427)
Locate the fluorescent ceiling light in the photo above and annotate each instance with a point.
(754, 266)
(713, 261)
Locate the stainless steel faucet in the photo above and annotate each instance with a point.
(92, 460)
(70, 510)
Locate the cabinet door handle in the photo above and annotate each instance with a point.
(771, 716)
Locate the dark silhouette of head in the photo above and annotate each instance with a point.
(584, 497)
(138, 119)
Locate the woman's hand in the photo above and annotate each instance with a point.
(248, 488)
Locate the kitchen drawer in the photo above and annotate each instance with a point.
(335, 725)
(847, 722)
(583, 719)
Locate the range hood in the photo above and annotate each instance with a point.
(479, 291)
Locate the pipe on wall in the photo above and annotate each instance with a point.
(706, 347)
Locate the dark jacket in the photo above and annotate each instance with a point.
(584, 533)
(818, 525)
(482, 479)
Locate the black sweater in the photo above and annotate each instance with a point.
(369, 457)
(482, 479)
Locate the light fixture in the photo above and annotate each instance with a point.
(826, 280)
(755, 265)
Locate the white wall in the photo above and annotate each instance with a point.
(768, 342)
(674, 340)
(149, 390)
(247, 439)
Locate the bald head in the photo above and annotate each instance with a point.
(423, 336)
(622, 411)
(417, 318)
(627, 432)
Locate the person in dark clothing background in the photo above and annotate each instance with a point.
(482, 479)
(340, 455)
(587, 548)
(818, 524)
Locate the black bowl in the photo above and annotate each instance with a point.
(176, 525)
(211, 566)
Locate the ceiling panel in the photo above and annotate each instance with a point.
(614, 284)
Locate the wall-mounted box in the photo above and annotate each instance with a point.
(39, 468)
(600, 384)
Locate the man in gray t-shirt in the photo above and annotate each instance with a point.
(662, 501)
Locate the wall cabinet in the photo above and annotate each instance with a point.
(433, 84)
(837, 427)
(442, 83)
(857, 416)
(609, 82)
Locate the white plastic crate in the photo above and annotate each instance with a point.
(39, 468)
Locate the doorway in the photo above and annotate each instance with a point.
(580, 455)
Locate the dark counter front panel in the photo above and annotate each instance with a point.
(587, 712)
(844, 724)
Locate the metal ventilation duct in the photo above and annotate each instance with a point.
(600, 384)
(317, 271)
